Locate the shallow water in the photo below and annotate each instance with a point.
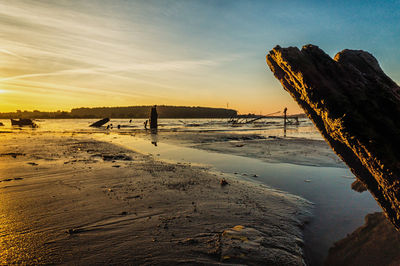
(264, 127)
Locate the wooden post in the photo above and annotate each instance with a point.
(153, 118)
(284, 121)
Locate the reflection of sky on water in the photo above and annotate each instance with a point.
(19, 241)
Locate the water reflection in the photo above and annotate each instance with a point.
(154, 137)
(375, 243)
(19, 241)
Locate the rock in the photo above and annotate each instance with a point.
(223, 182)
(245, 245)
(355, 106)
(358, 186)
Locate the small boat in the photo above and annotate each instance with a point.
(23, 122)
(100, 122)
(1, 124)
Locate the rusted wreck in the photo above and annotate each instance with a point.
(23, 122)
(355, 106)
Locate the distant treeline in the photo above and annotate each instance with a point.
(127, 112)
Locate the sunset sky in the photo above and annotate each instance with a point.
(56, 55)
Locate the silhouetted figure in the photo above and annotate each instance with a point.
(145, 124)
(130, 121)
(153, 118)
(119, 126)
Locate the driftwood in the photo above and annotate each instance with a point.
(355, 106)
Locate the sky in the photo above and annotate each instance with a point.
(58, 55)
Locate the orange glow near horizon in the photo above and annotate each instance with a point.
(58, 57)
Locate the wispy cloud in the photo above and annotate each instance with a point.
(95, 48)
(7, 52)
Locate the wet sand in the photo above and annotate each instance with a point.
(272, 149)
(67, 198)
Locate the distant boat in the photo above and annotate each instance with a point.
(1, 124)
(23, 122)
(100, 122)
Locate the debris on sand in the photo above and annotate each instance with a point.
(112, 157)
(223, 182)
(11, 179)
(13, 154)
(73, 231)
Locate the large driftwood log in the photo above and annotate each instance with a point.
(355, 106)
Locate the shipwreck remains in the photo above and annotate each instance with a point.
(100, 122)
(355, 106)
(23, 122)
(153, 118)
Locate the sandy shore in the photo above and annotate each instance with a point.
(71, 199)
(271, 149)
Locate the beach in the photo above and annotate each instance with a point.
(76, 195)
(67, 198)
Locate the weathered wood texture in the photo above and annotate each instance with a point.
(355, 106)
